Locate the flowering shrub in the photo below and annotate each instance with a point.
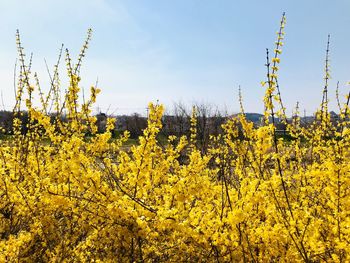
(252, 197)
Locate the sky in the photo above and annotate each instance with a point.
(188, 51)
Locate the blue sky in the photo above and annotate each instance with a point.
(184, 50)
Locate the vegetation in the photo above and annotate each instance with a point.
(250, 196)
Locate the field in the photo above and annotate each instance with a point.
(251, 196)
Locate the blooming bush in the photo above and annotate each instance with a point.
(253, 197)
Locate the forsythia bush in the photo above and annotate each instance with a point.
(69, 197)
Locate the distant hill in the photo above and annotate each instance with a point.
(253, 117)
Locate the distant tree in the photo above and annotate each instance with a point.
(135, 124)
